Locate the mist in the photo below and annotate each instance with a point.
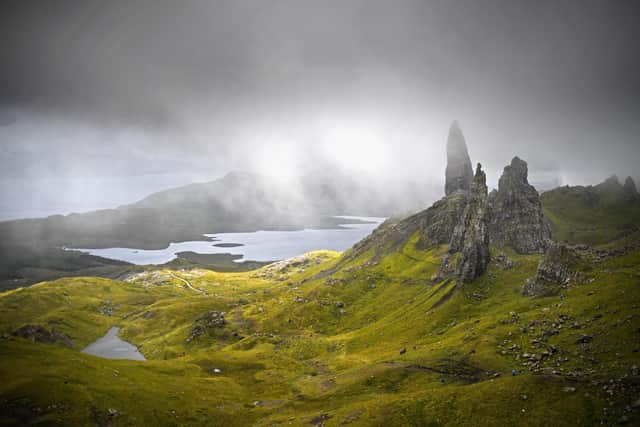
(102, 103)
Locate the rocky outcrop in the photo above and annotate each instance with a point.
(459, 172)
(555, 271)
(468, 220)
(37, 333)
(516, 219)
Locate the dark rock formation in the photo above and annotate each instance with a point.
(630, 190)
(459, 172)
(469, 220)
(470, 236)
(516, 218)
(37, 333)
(556, 269)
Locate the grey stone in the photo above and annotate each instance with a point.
(516, 218)
(554, 272)
(470, 236)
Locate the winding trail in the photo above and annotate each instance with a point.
(186, 282)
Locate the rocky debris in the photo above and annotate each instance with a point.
(37, 333)
(516, 218)
(470, 238)
(292, 265)
(106, 308)
(319, 420)
(555, 271)
(208, 321)
(503, 261)
(459, 172)
(339, 304)
(403, 351)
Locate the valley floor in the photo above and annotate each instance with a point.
(328, 339)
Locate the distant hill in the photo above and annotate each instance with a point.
(238, 202)
(593, 214)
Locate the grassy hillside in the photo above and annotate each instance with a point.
(373, 343)
(591, 215)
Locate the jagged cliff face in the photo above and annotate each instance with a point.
(470, 237)
(516, 218)
(459, 173)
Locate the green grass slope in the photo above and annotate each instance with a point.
(374, 342)
(591, 215)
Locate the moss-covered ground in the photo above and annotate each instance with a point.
(373, 343)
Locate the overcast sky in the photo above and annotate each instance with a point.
(102, 102)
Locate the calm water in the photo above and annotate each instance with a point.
(256, 246)
(111, 346)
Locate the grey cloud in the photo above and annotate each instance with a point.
(212, 83)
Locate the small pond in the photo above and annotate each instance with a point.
(111, 346)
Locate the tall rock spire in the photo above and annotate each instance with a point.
(459, 172)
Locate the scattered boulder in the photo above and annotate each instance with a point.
(584, 339)
(459, 172)
(38, 333)
(503, 261)
(106, 308)
(516, 218)
(319, 420)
